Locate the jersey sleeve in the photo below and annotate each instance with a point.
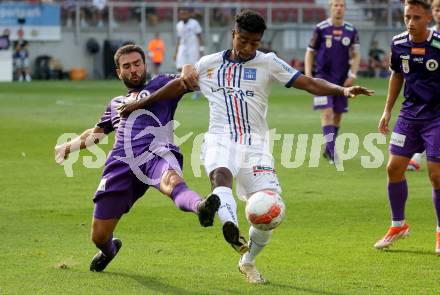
(105, 122)
(281, 71)
(394, 61)
(200, 65)
(315, 41)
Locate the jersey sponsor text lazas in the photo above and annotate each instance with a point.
(233, 91)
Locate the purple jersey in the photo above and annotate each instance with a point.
(159, 115)
(332, 45)
(419, 65)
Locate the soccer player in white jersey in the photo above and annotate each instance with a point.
(414, 163)
(189, 45)
(237, 84)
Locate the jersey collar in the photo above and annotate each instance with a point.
(227, 54)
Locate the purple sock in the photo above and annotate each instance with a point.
(436, 201)
(329, 134)
(336, 131)
(397, 194)
(184, 198)
(108, 248)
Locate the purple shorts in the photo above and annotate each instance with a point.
(120, 188)
(339, 104)
(411, 137)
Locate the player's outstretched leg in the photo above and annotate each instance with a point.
(258, 239)
(207, 209)
(101, 260)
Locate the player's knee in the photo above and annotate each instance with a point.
(395, 171)
(169, 181)
(327, 115)
(221, 177)
(434, 176)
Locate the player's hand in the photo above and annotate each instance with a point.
(125, 109)
(383, 123)
(189, 77)
(357, 90)
(61, 153)
(348, 82)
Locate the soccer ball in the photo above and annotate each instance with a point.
(265, 210)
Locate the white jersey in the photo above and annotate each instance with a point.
(188, 51)
(238, 93)
(434, 28)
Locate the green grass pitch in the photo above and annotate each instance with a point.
(324, 246)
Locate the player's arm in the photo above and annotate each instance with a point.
(320, 87)
(309, 60)
(394, 86)
(177, 48)
(201, 46)
(88, 138)
(355, 61)
(172, 90)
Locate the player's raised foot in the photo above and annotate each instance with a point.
(394, 233)
(232, 235)
(207, 209)
(100, 261)
(413, 166)
(437, 244)
(252, 274)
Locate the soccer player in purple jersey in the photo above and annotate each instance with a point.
(414, 163)
(334, 49)
(120, 185)
(415, 58)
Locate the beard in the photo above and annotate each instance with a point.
(132, 84)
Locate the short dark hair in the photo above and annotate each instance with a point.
(250, 21)
(129, 48)
(426, 4)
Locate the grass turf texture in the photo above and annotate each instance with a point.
(324, 246)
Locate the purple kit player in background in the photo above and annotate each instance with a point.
(120, 187)
(334, 48)
(415, 58)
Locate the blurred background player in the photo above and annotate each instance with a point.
(236, 145)
(189, 47)
(334, 49)
(156, 52)
(415, 162)
(21, 61)
(120, 187)
(415, 58)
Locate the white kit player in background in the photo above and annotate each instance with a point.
(189, 47)
(237, 85)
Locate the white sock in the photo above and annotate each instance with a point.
(228, 207)
(398, 223)
(258, 239)
(438, 229)
(417, 157)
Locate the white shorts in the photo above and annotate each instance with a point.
(252, 166)
(186, 56)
